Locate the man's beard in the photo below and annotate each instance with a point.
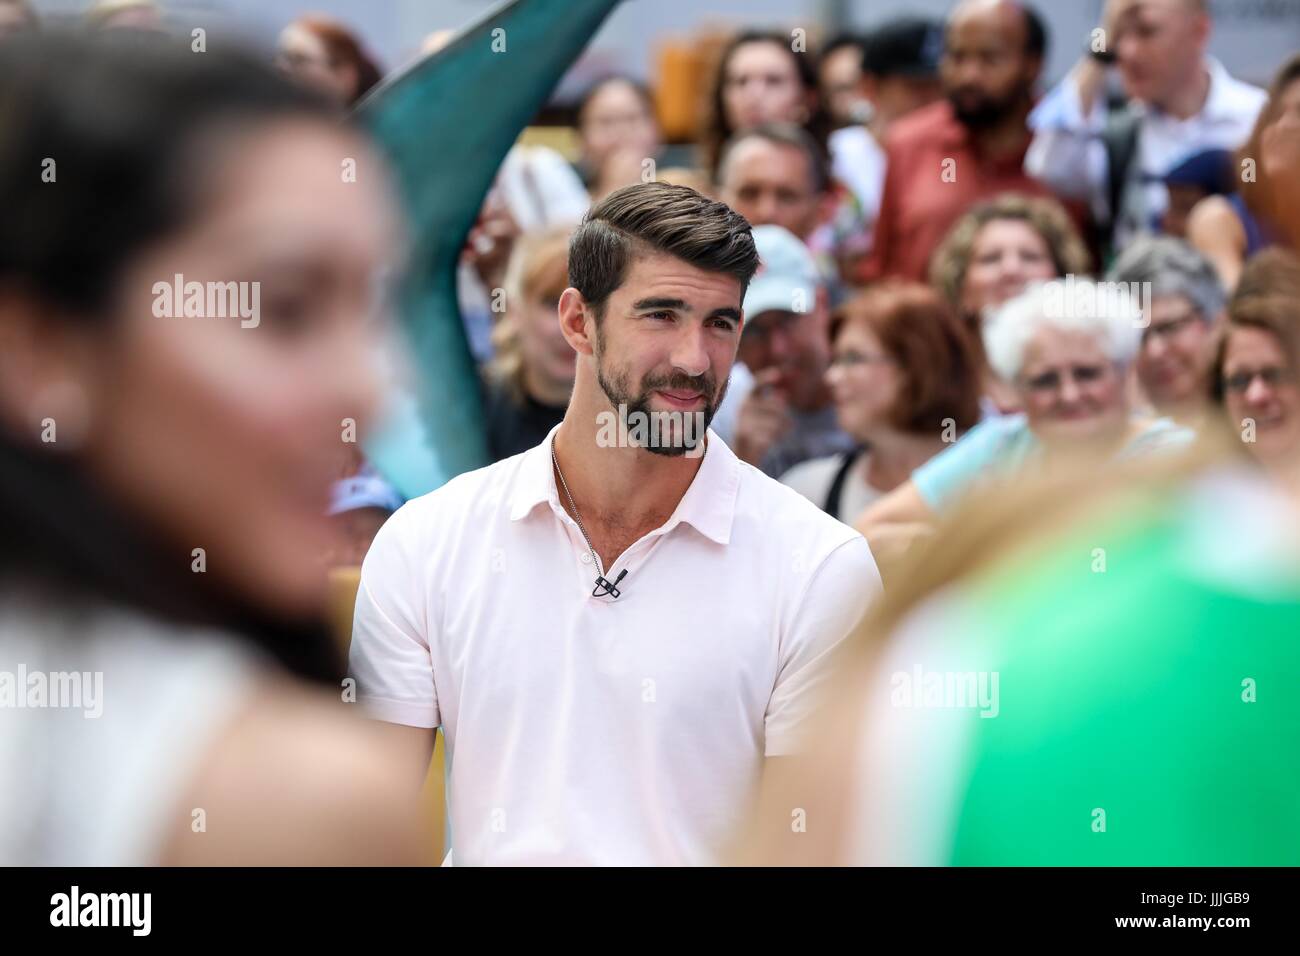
(617, 390)
(984, 111)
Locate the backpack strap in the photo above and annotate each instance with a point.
(836, 491)
(1120, 137)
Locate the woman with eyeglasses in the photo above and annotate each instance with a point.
(1254, 381)
(1186, 306)
(1065, 349)
(905, 379)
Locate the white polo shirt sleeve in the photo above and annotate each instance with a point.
(390, 656)
(837, 594)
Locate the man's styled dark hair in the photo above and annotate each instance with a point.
(638, 220)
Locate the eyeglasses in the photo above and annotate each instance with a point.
(1239, 382)
(1050, 381)
(852, 359)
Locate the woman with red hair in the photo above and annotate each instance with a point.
(323, 54)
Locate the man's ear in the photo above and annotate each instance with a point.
(577, 321)
(1204, 26)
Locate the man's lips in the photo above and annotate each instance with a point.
(680, 399)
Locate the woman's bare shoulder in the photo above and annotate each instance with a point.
(300, 778)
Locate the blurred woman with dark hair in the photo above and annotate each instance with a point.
(905, 377)
(324, 55)
(762, 79)
(618, 131)
(165, 462)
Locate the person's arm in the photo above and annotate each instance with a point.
(1216, 232)
(834, 598)
(922, 498)
(763, 418)
(298, 779)
(390, 658)
(1067, 153)
(902, 506)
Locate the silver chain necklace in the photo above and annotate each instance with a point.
(603, 586)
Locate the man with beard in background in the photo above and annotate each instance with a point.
(969, 146)
(617, 638)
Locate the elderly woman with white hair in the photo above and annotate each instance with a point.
(1065, 348)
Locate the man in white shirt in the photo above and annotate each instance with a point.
(615, 630)
(1183, 102)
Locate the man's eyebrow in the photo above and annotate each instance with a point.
(725, 313)
(661, 303)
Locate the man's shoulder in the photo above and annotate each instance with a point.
(478, 492)
(783, 515)
(918, 128)
(1243, 96)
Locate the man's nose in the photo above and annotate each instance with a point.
(780, 344)
(689, 353)
(1258, 391)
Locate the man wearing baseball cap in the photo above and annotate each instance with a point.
(787, 416)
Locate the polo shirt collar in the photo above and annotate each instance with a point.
(535, 482)
(1219, 102)
(709, 505)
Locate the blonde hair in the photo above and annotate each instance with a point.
(1046, 217)
(538, 267)
(990, 535)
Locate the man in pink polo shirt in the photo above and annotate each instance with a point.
(617, 629)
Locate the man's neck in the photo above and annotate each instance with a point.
(626, 490)
(1190, 98)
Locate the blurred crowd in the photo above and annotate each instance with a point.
(907, 187)
(965, 277)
